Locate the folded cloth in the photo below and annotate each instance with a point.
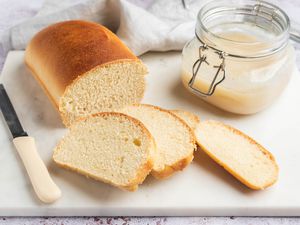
(144, 25)
(160, 25)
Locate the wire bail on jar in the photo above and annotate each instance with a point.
(197, 65)
(294, 32)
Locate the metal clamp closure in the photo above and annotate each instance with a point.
(220, 71)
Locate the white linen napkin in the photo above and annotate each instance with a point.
(160, 26)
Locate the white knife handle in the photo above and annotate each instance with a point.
(42, 183)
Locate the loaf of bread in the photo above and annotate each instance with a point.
(84, 68)
(110, 147)
(175, 141)
(191, 119)
(239, 154)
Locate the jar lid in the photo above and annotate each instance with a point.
(268, 22)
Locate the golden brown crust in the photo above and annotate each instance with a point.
(181, 164)
(169, 170)
(232, 172)
(103, 114)
(42, 84)
(132, 186)
(60, 53)
(141, 174)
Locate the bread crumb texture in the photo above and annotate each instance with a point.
(239, 154)
(104, 88)
(175, 142)
(111, 147)
(190, 118)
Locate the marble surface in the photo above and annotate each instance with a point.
(15, 11)
(183, 195)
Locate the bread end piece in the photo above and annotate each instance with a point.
(239, 154)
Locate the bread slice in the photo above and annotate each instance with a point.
(190, 118)
(110, 147)
(175, 141)
(239, 154)
(84, 68)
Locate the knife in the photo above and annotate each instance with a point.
(43, 185)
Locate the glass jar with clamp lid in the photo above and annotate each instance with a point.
(240, 59)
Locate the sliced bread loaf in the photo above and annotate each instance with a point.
(110, 147)
(85, 69)
(175, 141)
(239, 154)
(190, 118)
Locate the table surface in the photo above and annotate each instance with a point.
(15, 11)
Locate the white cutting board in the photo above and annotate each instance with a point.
(201, 189)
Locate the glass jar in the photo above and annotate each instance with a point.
(240, 59)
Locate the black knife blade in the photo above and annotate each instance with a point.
(45, 188)
(10, 115)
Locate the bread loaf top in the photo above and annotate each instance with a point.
(60, 53)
